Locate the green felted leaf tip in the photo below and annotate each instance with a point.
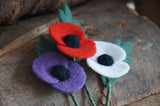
(117, 42)
(67, 11)
(75, 22)
(113, 80)
(82, 28)
(128, 60)
(127, 46)
(105, 80)
(40, 50)
(45, 46)
(44, 43)
(65, 15)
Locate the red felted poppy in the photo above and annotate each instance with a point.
(61, 30)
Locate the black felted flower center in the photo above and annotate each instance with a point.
(72, 41)
(105, 60)
(60, 72)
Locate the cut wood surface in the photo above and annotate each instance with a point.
(104, 20)
(153, 100)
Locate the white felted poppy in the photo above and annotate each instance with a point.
(108, 60)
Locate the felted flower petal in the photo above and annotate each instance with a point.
(44, 63)
(116, 70)
(87, 49)
(76, 81)
(60, 30)
(116, 52)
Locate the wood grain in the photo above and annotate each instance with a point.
(19, 86)
(153, 100)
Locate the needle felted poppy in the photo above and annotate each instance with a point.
(63, 75)
(108, 60)
(71, 40)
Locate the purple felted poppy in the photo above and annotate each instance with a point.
(63, 75)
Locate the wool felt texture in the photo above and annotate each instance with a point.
(65, 15)
(42, 67)
(127, 46)
(72, 41)
(45, 46)
(105, 60)
(60, 72)
(60, 30)
(118, 69)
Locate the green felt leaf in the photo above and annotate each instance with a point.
(75, 22)
(104, 80)
(128, 60)
(61, 15)
(40, 50)
(117, 42)
(67, 11)
(65, 15)
(44, 43)
(45, 46)
(86, 35)
(127, 46)
(82, 28)
(76, 60)
(113, 80)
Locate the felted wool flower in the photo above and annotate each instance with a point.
(63, 75)
(71, 40)
(108, 60)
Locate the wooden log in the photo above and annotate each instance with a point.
(19, 86)
(12, 10)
